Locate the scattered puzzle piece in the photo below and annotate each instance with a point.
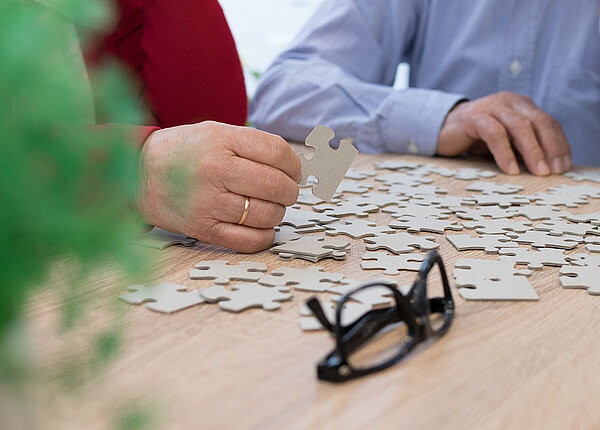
(535, 259)
(353, 187)
(584, 175)
(416, 210)
(497, 226)
(488, 243)
(223, 272)
(577, 190)
(581, 277)
(471, 173)
(372, 296)
(535, 213)
(400, 242)
(408, 191)
(328, 165)
(541, 239)
(559, 227)
(397, 165)
(488, 187)
(502, 200)
(357, 229)
(347, 209)
(492, 280)
(166, 297)
(568, 200)
(299, 218)
(352, 312)
(377, 199)
(592, 243)
(246, 296)
(313, 249)
(306, 197)
(309, 279)
(160, 239)
(359, 174)
(403, 179)
(481, 213)
(391, 264)
(584, 259)
(444, 201)
(417, 225)
(287, 233)
(593, 218)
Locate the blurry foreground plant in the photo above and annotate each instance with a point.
(65, 190)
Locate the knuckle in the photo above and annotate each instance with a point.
(279, 149)
(520, 125)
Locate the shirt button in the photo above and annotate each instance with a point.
(515, 68)
(412, 147)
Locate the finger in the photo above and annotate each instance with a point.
(550, 136)
(269, 149)
(241, 238)
(493, 133)
(249, 178)
(522, 135)
(261, 214)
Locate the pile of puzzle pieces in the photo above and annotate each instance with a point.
(500, 220)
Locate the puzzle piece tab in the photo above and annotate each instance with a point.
(328, 165)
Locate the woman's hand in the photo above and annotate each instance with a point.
(194, 180)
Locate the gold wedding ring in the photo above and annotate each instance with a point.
(245, 214)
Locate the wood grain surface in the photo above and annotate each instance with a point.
(502, 364)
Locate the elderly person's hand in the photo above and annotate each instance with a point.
(506, 123)
(195, 179)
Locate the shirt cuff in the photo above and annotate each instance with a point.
(411, 119)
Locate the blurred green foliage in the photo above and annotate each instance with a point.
(65, 189)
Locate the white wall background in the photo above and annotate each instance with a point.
(264, 28)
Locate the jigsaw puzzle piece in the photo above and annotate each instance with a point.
(307, 279)
(223, 272)
(400, 242)
(498, 226)
(429, 224)
(489, 187)
(312, 249)
(160, 239)
(581, 277)
(391, 264)
(492, 280)
(541, 239)
(328, 165)
(352, 312)
(357, 228)
(166, 297)
(535, 259)
(488, 243)
(246, 296)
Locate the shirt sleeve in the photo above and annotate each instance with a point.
(339, 72)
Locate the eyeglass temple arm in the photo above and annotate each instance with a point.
(315, 306)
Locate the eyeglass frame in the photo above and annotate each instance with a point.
(414, 309)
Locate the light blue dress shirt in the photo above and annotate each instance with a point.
(340, 69)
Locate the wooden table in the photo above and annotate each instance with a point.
(501, 365)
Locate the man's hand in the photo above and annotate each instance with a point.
(194, 180)
(505, 122)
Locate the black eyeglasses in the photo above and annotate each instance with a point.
(381, 337)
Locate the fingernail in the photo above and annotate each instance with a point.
(542, 168)
(568, 162)
(513, 168)
(558, 166)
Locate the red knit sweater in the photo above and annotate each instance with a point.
(183, 57)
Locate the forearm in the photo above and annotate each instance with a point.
(296, 94)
